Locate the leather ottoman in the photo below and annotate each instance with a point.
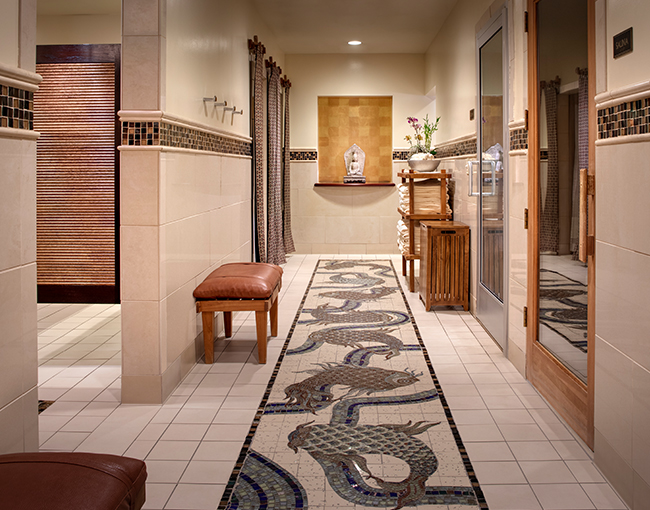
(71, 481)
(240, 286)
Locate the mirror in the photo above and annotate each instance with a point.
(564, 150)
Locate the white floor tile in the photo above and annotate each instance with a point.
(195, 497)
(173, 450)
(208, 471)
(562, 497)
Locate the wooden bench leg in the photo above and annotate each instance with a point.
(227, 323)
(260, 323)
(208, 337)
(274, 318)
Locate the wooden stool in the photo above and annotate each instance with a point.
(240, 287)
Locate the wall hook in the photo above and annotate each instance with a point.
(215, 101)
(240, 112)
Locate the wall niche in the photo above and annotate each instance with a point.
(364, 120)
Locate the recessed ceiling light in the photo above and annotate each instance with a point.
(354, 43)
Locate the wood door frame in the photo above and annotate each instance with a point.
(89, 53)
(568, 395)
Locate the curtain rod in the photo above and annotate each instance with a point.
(254, 43)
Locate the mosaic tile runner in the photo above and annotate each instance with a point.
(353, 416)
(563, 307)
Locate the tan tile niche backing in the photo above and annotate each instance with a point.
(366, 121)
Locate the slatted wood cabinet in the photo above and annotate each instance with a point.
(444, 264)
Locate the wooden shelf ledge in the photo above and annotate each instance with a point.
(354, 184)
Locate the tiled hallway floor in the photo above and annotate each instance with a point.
(524, 456)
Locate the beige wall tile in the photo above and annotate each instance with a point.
(10, 203)
(185, 251)
(139, 187)
(140, 17)
(142, 389)
(30, 420)
(235, 180)
(353, 230)
(141, 338)
(220, 228)
(517, 297)
(323, 201)
(140, 72)
(18, 362)
(180, 321)
(382, 248)
(140, 261)
(622, 294)
(518, 186)
(351, 249)
(304, 174)
(380, 201)
(518, 251)
(28, 202)
(624, 188)
(309, 230)
(12, 439)
(640, 421)
(618, 472)
(613, 413)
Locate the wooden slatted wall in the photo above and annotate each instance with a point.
(76, 158)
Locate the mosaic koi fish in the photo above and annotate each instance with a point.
(335, 265)
(371, 295)
(354, 280)
(326, 314)
(335, 446)
(360, 380)
(351, 337)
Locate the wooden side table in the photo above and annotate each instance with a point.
(444, 263)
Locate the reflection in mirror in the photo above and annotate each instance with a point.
(491, 175)
(564, 150)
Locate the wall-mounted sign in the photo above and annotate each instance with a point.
(623, 43)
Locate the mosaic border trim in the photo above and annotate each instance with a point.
(462, 148)
(16, 108)
(480, 497)
(303, 155)
(626, 118)
(166, 134)
(518, 139)
(400, 155)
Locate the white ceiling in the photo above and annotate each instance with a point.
(322, 26)
(383, 26)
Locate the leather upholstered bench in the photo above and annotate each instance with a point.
(235, 287)
(71, 481)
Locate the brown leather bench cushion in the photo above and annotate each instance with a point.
(71, 481)
(240, 280)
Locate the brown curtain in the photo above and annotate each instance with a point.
(583, 157)
(275, 251)
(549, 235)
(258, 143)
(286, 178)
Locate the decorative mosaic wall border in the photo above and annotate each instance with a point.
(170, 135)
(628, 118)
(303, 155)
(16, 108)
(400, 155)
(518, 139)
(457, 149)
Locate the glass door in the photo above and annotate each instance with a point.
(492, 165)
